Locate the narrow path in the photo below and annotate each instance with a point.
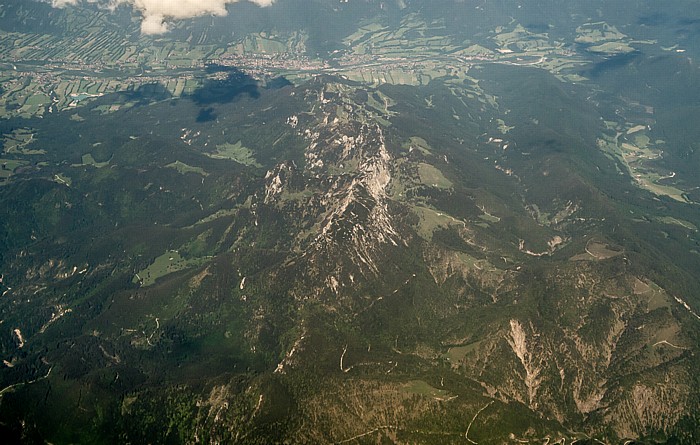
(379, 428)
(342, 356)
(26, 383)
(148, 340)
(466, 434)
(664, 342)
(687, 307)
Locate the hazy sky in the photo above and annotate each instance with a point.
(158, 14)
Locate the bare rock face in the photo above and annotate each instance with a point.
(609, 349)
(378, 281)
(518, 341)
(574, 341)
(347, 171)
(357, 219)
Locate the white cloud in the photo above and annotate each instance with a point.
(158, 14)
(62, 3)
(153, 24)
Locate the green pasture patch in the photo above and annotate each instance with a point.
(422, 388)
(457, 353)
(235, 152)
(170, 262)
(429, 175)
(183, 168)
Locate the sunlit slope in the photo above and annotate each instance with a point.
(333, 262)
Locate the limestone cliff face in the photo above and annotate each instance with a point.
(357, 217)
(518, 341)
(341, 191)
(614, 352)
(575, 339)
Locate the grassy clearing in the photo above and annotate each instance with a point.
(431, 220)
(640, 287)
(430, 175)
(472, 263)
(296, 196)
(420, 144)
(601, 251)
(489, 218)
(521, 40)
(656, 295)
(382, 104)
(11, 164)
(235, 152)
(457, 353)
(362, 31)
(183, 168)
(603, 38)
(597, 32)
(169, 262)
(88, 159)
(598, 251)
(612, 48)
(642, 141)
(8, 166)
(62, 179)
(422, 388)
(665, 190)
(214, 216)
(18, 140)
(633, 148)
(503, 127)
(678, 222)
(636, 129)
